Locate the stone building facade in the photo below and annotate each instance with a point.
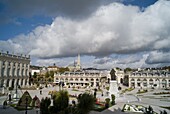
(149, 79)
(14, 70)
(82, 79)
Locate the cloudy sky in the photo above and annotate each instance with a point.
(106, 33)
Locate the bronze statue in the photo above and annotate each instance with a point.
(112, 73)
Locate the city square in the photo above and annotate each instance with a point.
(84, 57)
(145, 99)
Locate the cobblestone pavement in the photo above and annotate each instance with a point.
(130, 98)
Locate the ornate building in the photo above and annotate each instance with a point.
(14, 70)
(82, 78)
(150, 78)
(77, 77)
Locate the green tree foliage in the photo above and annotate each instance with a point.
(35, 75)
(62, 70)
(166, 68)
(61, 101)
(107, 102)
(113, 99)
(44, 105)
(127, 69)
(47, 75)
(51, 74)
(22, 100)
(107, 88)
(85, 103)
(35, 102)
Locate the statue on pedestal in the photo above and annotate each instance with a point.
(112, 73)
(113, 84)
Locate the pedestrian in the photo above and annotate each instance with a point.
(9, 98)
(40, 92)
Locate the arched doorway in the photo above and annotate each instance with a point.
(138, 82)
(7, 84)
(164, 83)
(13, 83)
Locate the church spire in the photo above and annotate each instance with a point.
(78, 60)
(78, 66)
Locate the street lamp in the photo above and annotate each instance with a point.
(26, 104)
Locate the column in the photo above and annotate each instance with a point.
(167, 83)
(10, 82)
(6, 68)
(148, 85)
(24, 83)
(19, 83)
(24, 72)
(154, 82)
(136, 85)
(16, 69)
(28, 67)
(160, 83)
(5, 83)
(94, 82)
(20, 70)
(11, 69)
(130, 82)
(15, 84)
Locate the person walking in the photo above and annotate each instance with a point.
(40, 92)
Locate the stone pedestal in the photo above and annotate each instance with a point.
(113, 88)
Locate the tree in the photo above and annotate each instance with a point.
(61, 101)
(51, 74)
(62, 70)
(22, 100)
(113, 99)
(85, 103)
(127, 69)
(44, 105)
(35, 75)
(107, 102)
(47, 75)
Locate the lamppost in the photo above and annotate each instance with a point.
(26, 104)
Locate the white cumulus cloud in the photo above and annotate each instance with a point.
(113, 28)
